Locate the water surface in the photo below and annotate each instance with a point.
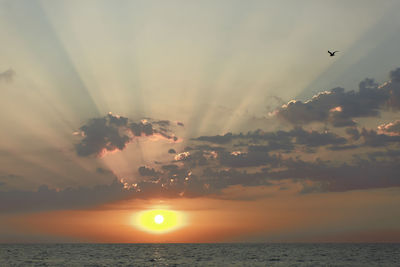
(199, 254)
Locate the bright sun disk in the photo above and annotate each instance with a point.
(158, 221)
(158, 218)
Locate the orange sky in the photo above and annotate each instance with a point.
(357, 216)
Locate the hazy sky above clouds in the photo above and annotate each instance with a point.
(122, 101)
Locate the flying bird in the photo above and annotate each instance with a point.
(332, 53)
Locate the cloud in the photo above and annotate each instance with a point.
(375, 139)
(182, 156)
(205, 147)
(170, 167)
(145, 171)
(221, 170)
(340, 147)
(7, 76)
(328, 177)
(141, 128)
(103, 134)
(315, 176)
(171, 151)
(316, 139)
(182, 181)
(238, 159)
(338, 107)
(113, 132)
(217, 139)
(210, 164)
(163, 123)
(104, 171)
(395, 75)
(280, 140)
(69, 198)
(354, 133)
(390, 154)
(194, 157)
(392, 128)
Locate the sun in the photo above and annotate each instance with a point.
(159, 221)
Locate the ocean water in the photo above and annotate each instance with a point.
(200, 255)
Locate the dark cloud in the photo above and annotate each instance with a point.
(354, 133)
(279, 140)
(104, 171)
(362, 174)
(285, 144)
(217, 139)
(141, 128)
(103, 134)
(145, 171)
(259, 140)
(239, 159)
(163, 123)
(316, 176)
(170, 167)
(205, 148)
(339, 107)
(395, 75)
(222, 170)
(180, 181)
(389, 155)
(345, 147)
(7, 76)
(171, 151)
(374, 139)
(220, 179)
(315, 139)
(386, 135)
(114, 132)
(69, 198)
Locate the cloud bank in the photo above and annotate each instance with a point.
(325, 160)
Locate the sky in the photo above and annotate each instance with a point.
(230, 114)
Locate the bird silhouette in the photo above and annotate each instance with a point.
(332, 53)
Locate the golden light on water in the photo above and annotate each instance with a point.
(159, 221)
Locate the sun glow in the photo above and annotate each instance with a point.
(159, 221)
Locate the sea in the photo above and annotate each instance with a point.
(200, 254)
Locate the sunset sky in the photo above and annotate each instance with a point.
(229, 117)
